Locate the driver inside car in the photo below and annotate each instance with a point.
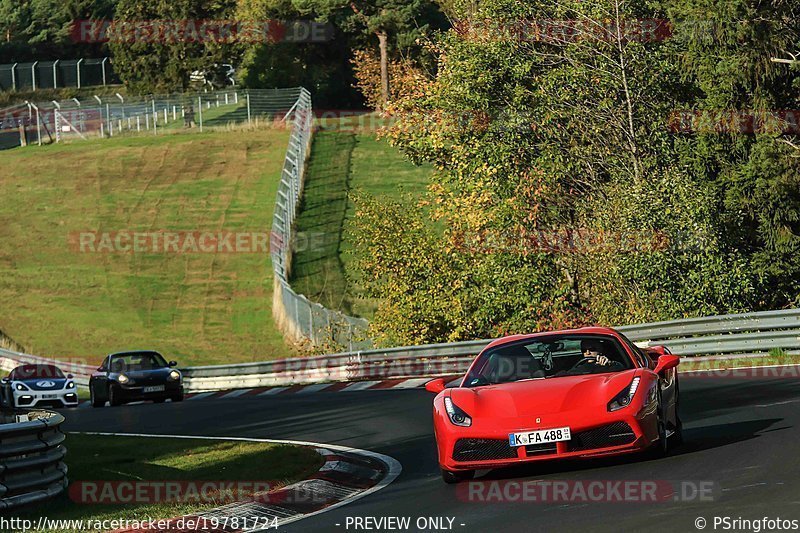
(595, 353)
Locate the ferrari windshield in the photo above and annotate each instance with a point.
(549, 357)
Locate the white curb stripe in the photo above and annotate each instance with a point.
(359, 385)
(235, 393)
(412, 383)
(314, 388)
(394, 468)
(199, 396)
(275, 390)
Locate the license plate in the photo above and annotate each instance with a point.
(540, 436)
(49, 396)
(154, 388)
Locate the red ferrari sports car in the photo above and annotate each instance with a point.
(578, 393)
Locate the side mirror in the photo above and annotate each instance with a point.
(666, 362)
(659, 350)
(70, 376)
(172, 363)
(101, 369)
(6, 379)
(436, 386)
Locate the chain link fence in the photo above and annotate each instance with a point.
(113, 116)
(56, 74)
(302, 320)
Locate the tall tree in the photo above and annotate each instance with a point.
(164, 64)
(395, 24)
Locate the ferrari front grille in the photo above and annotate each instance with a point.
(540, 449)
(483, 450)
(615, 434)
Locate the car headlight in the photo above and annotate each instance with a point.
(70, 385)
(123, 379)
(20, 386)
(456, 415)
(174, 375)
(625, 397)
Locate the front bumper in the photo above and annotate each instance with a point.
(49, 398)
(137, 392)
(482, 447)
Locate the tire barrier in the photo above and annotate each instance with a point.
(32, 455)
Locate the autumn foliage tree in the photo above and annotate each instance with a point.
(565, 196)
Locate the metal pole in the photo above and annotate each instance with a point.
(33, 75)
(55, 74)
(38, 126)
(138, 123)
(121, 99)
(108, 119)
(78, 69)
(200, 110)
(249, 117)
(103, 64)
(155, 118)
(14, 76)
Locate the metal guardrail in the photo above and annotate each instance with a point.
(303, 321)
(32, 455)
(728, 334)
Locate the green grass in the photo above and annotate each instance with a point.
(343, 162)
(195, 308)
(106, 458)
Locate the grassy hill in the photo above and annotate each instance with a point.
(196, 308)
(341, 162)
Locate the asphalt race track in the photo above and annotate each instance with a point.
(741, 436)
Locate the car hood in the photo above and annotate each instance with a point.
(145, 377)
(542, 396)
(43, 383)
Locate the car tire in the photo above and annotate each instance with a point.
(451, 477)
(677, 436)
(178, 397)
(93, 398)
(113, 396)
(661, 447)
